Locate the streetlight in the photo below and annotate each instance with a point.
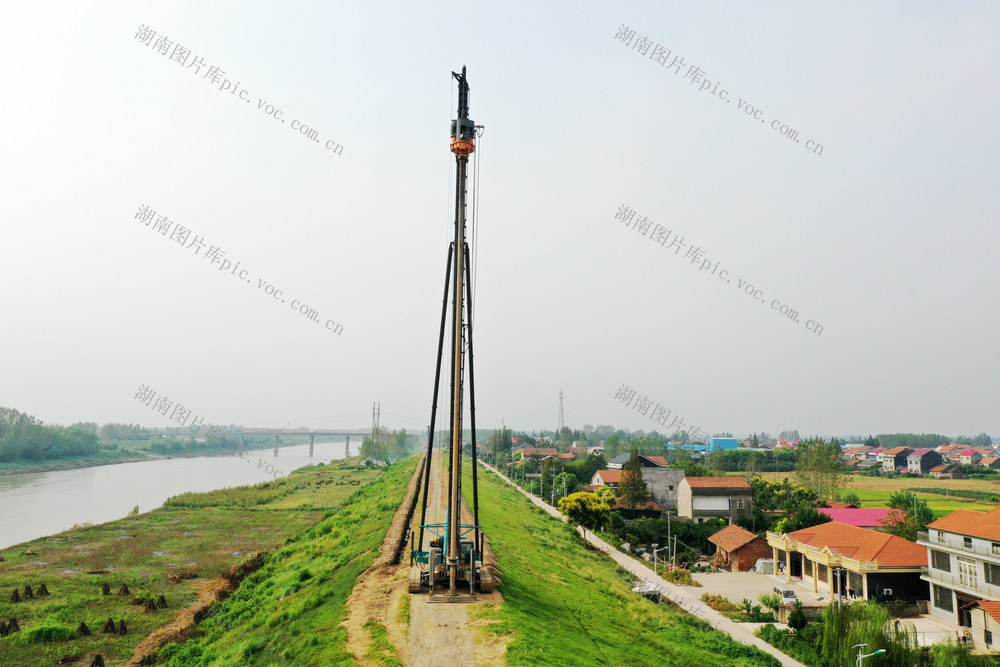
(866, 655)
(654, 554)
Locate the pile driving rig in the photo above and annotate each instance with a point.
(451, 567)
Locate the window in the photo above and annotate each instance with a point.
(940, 536)
(942, 598)
(808, 566)
(671, 487)
(996, 548)
(992, 573)
(967, 543)
(739, 503)
(940, 560)
(966, 572)
(988, 636)
(822, 572)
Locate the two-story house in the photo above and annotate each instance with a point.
(963, 558)
(920, 461)
(700, 498)
(894, 460)
(970, 457)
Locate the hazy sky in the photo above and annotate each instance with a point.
(887, 238)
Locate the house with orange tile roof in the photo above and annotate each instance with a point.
(610, 478)
(700, 498)
(963, 563)
(738, 549)
(864, 563)
(990, 462)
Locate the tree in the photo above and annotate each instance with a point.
(606, 494)
(982, 440)
(632, 489)
(819, 466)
(800, 515)
(612, 446)
(911, 515)
(797, 619)
(756, 442)
(585, 509)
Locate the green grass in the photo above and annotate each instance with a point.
(380, 649)
(201, 533)
(939, 505)
(289, 611)
(565, 605)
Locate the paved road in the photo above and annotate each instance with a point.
(682, 596)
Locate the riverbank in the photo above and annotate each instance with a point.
(127, 453)
(174, 551)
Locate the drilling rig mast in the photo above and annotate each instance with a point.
(450, 559)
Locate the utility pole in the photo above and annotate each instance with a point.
(561, 421)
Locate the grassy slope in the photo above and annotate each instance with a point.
(204, 533)
(289, 611)
(565, 605)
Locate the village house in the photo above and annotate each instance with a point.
(737, 549)
(947, 472)
(862, 563)
(990, 462)
(920, 461)
(611, 478)
(963, 564)
(859, 453)
(985, 628)
(970, 457)
(528, 452)
(894, 460)
(618, 463)
(700, 498)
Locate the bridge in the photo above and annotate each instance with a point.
(243, 433)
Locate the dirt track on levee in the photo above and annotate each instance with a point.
(436, 632)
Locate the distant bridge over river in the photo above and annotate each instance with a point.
(245, 433)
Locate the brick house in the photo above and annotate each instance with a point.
(737, 549)
(990, 462)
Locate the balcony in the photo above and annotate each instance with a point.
(981, 589)
(956, 543)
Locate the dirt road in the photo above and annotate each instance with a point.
(440, 631)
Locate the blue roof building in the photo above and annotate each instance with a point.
(715, 444)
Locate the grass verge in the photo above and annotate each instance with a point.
(565, 605)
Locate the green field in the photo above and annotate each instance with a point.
(875, 491)
(204, 534)
(564, 603)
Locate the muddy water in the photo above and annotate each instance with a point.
(37, 504)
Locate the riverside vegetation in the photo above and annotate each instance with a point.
(172, 551)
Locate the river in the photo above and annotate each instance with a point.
(34, 505)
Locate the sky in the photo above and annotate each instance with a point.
(639, 230)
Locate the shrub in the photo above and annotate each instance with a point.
(49, 632)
